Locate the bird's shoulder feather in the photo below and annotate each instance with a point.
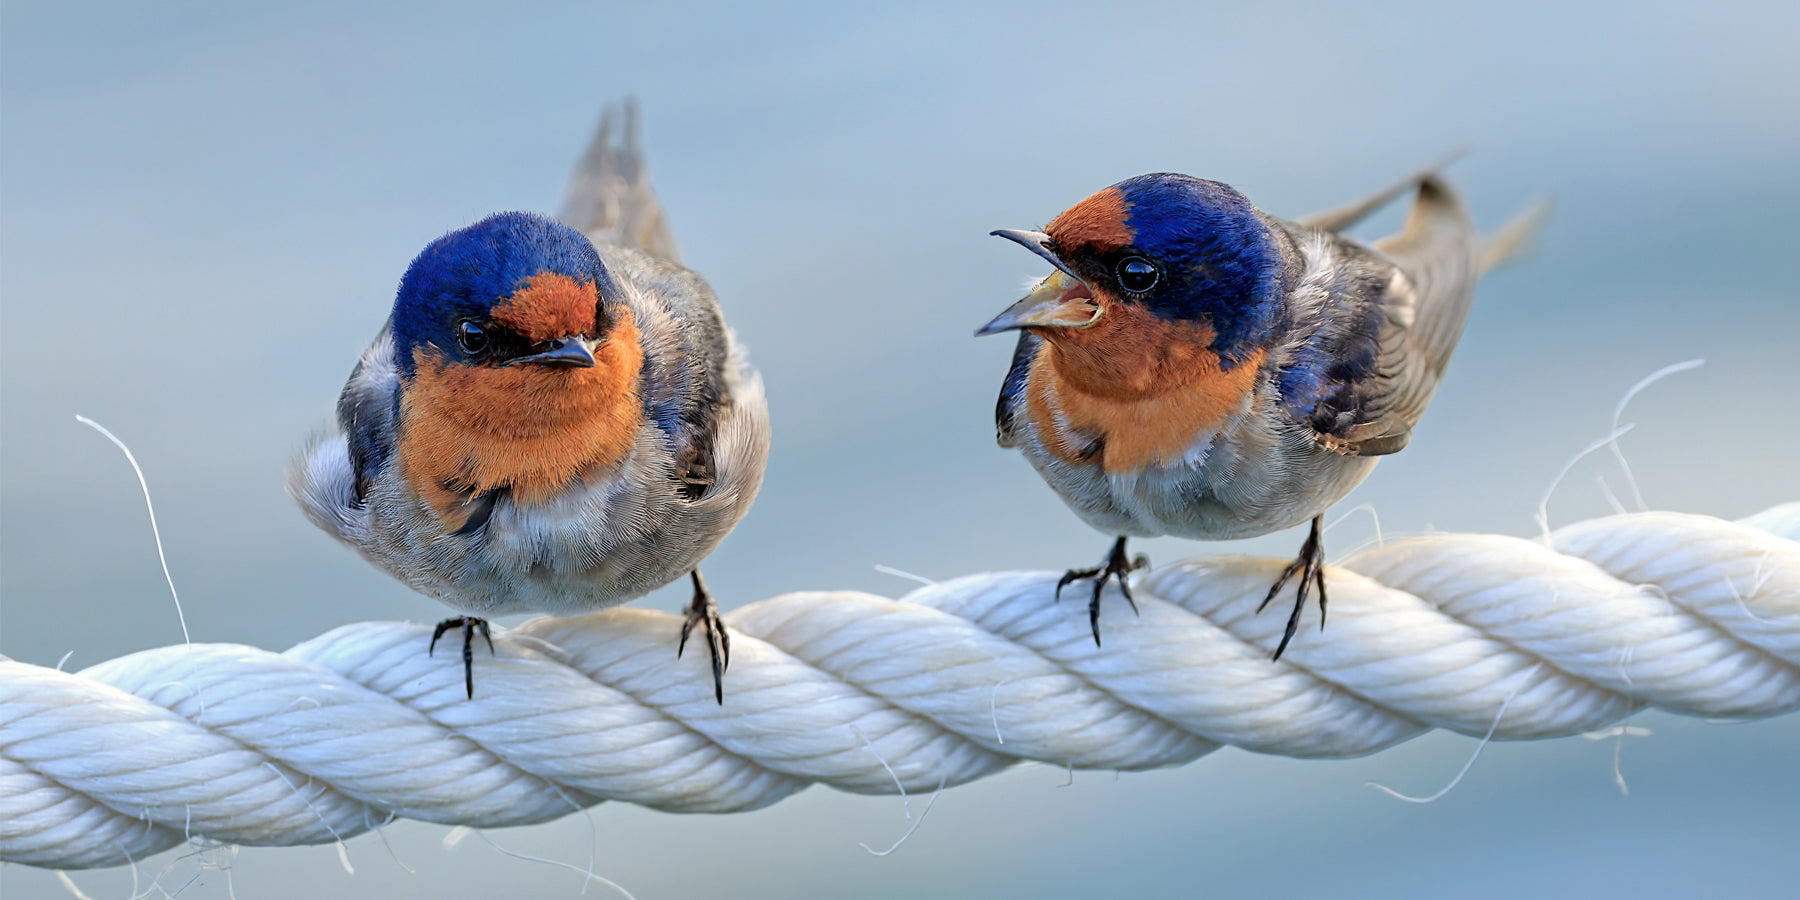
(1335, 367)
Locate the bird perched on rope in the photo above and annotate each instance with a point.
(1196, 367)
(550, 421)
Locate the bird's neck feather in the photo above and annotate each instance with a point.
(1131, 353)
(1141, 388)
(530, 429)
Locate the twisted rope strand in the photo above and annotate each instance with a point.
(955, 681)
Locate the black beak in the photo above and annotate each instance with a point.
(1037, 242)
(570, 352)
(1061, 300)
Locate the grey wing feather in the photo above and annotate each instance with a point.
(1424, 308)
(1383, 323)
(1343, 217)
(1436, 252)
(686, 379)
(609, 197)
(1516, 238)
(334, 473)
(365, 410)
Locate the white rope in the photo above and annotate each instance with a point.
(957, 680)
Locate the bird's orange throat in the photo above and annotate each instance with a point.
(531, 429)
(1133, 390)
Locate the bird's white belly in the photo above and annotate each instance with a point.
(1238, 483)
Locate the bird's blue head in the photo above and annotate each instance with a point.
(1183, 250)
(514, 288)
(519, 360)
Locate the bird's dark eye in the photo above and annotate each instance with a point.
(1137, 274)
(471, 338)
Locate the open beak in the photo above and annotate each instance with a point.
(568, 352)
(1061, 300)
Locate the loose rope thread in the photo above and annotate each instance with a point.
(1470, 633)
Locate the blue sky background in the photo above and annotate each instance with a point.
(204, 212)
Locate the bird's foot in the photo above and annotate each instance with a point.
(705, 613)
(1115, 565)
(1310, 566)
(469, 625)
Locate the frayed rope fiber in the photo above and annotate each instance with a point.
(957, 680)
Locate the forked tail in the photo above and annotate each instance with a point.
(609, 197)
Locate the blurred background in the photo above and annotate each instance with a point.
(206, 210)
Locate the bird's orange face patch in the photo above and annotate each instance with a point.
(532, 429)
(1099, 222)
(1146, 388)
(548, 306)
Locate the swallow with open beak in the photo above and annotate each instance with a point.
(1194, 366)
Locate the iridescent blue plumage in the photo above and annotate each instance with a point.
(1218, 255)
